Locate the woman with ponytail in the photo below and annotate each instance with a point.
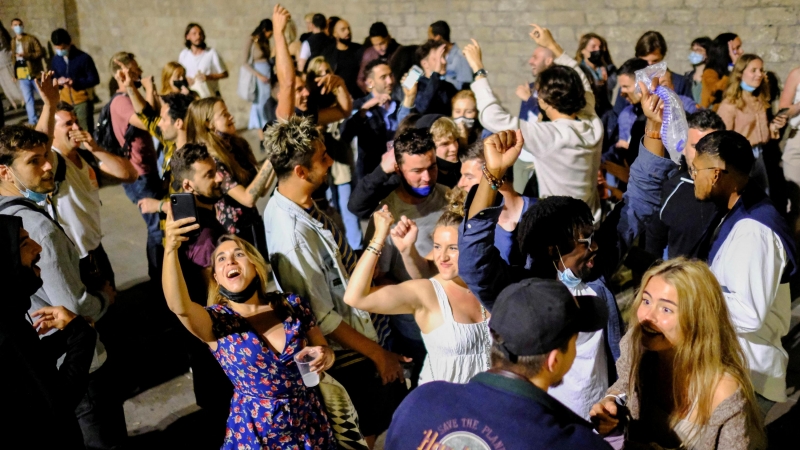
(254, 335)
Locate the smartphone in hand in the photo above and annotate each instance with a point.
(183, 206)
(413, 76)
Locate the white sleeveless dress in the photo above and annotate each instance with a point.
(456, 351)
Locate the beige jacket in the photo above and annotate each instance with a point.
(727, 428)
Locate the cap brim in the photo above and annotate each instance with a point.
(593, 314)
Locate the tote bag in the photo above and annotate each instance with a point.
(247, 81)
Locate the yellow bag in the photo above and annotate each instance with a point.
(23, 73)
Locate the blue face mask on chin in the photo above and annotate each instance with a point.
(27, 193)
(422, 191)
(567, 277)
(747, 87)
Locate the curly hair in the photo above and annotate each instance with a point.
(15, 138)
(414, 141)
(290, 143)
(562, 88)
(551, 222)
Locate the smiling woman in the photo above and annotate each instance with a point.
(682, 368)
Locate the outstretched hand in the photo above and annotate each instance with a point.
(123, 75)
(404, 234)
(652, 106)
(52, 317)
(501, 151)
(542, 36)
(47, 85)
(280, 18)
(175, 231)
(472, 52)
(383, 222)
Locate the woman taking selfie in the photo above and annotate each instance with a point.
(682, 370)
(254, 335)
(454, 325)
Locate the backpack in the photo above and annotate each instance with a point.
(104, 132)
(61, 170)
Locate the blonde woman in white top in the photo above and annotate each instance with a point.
(453, 322)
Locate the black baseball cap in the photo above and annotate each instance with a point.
(537, 316)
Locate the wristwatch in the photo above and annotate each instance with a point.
(480, 72)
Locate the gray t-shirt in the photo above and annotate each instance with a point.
(425, 214)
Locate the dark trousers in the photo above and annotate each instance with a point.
(96, 270)
(149, 186)
(100, 413)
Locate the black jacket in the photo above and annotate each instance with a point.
(345, 63)
(434, 96)
(372, 135)
(376, 186)
(680, 224)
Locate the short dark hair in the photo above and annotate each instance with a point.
(551, 222)
(178, 104)
(64, 106)
(562, 88)
(378, 29)
(189, 27)
(290, 143)
(705, 119)
(414, 141)
(475, 151)
(425, 49)
(15, 138)
(731, 147)
(373, 64)
(332, 21)
(704, 42)
(60, 37)
(649, 43)
(17, 19)
(182, 160)
(630, 67)
(441, 28)
(719, 56)
(319, 21)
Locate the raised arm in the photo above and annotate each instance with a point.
(249, 196)
(113, 165)
(344, 102)
(48, 90)
(284, 69)
(393, 299)
(404, 236)
(193, 316)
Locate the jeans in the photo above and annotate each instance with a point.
(100, 413)
(352, 226)
(149, 186)
(759, 171)
(28, 88)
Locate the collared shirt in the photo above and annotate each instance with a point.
(389, 119)
(491, 411)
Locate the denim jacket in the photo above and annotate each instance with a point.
(307, 262)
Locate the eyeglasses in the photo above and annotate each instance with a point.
(693, 170)
(587, 240)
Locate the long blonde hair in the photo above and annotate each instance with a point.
(734, 91)
(166, 76)
(708, 349)
(276, 300)
(199, 130)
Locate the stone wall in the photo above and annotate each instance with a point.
(153, 29)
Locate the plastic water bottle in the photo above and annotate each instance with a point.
(674, 128)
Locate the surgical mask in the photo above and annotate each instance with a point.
(27, 193)
(696, 58)
(422, 191)
(19, 29)
(747, 87)
(243, 296)
(596, 57)
(62, 52)
(567, 277)
(469, 123)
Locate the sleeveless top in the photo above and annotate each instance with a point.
(456, 351)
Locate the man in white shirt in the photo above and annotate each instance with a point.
(202, 64)
(566, 150)
(751, 251)
(75, 203)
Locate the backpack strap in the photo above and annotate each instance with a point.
(61, 172)
(28, 204)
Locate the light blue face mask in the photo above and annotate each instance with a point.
(27, 193)
(696, 58)
(18, 29)
(567, 277)
(62, 51)
(747, 87)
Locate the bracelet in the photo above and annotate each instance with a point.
(160, 206)
(376, 242)
(652, 134)
(493, 180)
(373, 250)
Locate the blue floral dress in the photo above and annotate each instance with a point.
(271, 408)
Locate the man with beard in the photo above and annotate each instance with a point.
(311, 258)
(38, 400)
(26, 171)
(195, 172)
(421, 199)
(535, 326)
(382, 46)
(556, 236)
(344, 56)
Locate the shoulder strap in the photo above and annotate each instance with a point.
(444, 302)
(61, 170)
(28, 204)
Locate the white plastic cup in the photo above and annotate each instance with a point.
(303, 360)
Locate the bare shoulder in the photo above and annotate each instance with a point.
(726, 387)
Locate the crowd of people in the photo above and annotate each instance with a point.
(428, 246)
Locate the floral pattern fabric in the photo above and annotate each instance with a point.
(271, 408)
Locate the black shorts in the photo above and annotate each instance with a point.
(375, 402)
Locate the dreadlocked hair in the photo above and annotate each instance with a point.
(551, 222)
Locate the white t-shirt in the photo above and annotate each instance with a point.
(305, 51)
(77, 205)
(208, 62)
